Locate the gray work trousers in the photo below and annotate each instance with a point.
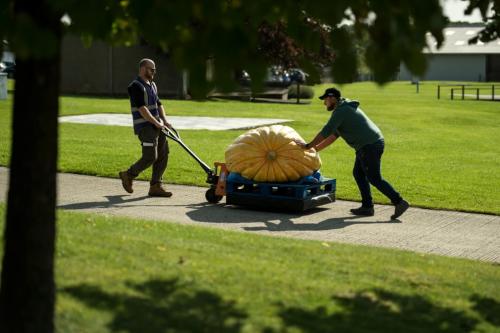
(154, 152)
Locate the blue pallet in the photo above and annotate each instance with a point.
(293, 196)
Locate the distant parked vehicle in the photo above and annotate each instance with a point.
(276, 77)
(297, 75)
(9, 68)
(243, 78)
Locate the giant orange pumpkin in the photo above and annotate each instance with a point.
(270, 154)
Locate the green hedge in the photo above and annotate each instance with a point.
(306, 92)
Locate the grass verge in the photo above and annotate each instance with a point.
(439, 153)
(123, 275)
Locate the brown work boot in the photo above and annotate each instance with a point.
(156, 190)
(126, 181)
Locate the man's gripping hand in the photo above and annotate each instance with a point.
(300, 143)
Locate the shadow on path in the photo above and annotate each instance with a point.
(162, 306)
(221, 213)
(112, 200)
(330, 224)
(274, 221)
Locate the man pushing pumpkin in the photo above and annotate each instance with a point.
(350, 122)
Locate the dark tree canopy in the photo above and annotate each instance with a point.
(248, 34)
(492, 20)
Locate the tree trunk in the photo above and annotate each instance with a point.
(27, 295)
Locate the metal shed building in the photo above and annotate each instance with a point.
(456, 60)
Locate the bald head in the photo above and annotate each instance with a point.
(147, 69)
(146, 62)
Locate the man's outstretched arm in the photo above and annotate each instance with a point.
(326, 142)
(319, 142)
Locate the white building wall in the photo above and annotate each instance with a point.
(451, 67)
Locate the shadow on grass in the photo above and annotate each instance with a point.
(488, 308)
(378, 311)
(169, 306)
(162, 306)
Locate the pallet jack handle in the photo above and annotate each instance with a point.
(172, 133)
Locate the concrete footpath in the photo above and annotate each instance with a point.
(456, 234)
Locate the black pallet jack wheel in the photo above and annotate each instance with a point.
(211, 196)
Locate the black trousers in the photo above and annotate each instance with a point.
(367, 171)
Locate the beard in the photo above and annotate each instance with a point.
(331, 107)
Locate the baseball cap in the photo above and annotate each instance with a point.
(331, 92)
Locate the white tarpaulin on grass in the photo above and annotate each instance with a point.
(193, 123)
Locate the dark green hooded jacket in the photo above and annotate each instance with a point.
(349, 122)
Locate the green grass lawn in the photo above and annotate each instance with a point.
(122, 275)
(439, 153)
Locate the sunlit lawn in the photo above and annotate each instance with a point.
(439, 153)
(123, 275)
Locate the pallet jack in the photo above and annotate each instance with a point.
(216, 177)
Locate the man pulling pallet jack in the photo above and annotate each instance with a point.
(149, 120)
